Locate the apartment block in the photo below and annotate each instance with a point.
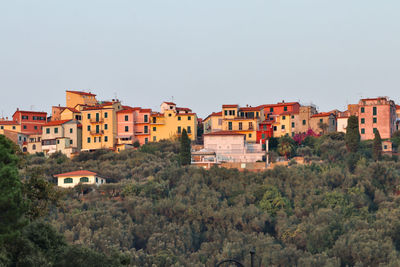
(31, 121)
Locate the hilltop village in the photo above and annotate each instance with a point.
(233, 134)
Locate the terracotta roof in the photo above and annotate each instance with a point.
(397, 106)
(75, 173)
(73, 110)
(59, 107)
(31, 112)
(55, 123)
(217, 114)
(183, 109)
(257, 108)
(80, 93)
(145, 110)
(280, 104)
(223, 133)
(230, 106)
(322, 114)
(170, 103)
(9, 123)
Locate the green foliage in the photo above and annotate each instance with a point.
(286, 146)
(273, 201)
(185, 149)
(136, 144)
(377, 146)
(12, 206)
(352, 134)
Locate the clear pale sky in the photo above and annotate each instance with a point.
(204, 53)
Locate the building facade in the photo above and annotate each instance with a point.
(74, 98)
(31, 121)
(72, 179)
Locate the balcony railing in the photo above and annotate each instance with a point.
(97, 132)
(95, 120)
(242, 129)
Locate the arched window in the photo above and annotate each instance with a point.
(68, 181)
(84, 180)
(24, 150)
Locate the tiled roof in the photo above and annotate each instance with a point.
(217, 114)
(230, 106)
(223, 133)
(55, 123)
(183, 109)
(145, 110)
(258, 108)
(80, 93)
(9, 123)
(75, 173)
(73, 110)
(322, 114)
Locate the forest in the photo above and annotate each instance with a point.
(342, 208)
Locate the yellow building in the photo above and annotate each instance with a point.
(212, 123)
(244, 120)
(74, 98)
(70, 114)
(99, 126)
(72, 179)
(284, 123)
(9, 126)
(171, 122)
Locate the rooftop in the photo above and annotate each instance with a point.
(55, 123)
(80, 93)
(223, 133)
(75, 173)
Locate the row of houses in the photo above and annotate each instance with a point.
(86, 124)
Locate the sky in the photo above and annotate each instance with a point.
(200, 54)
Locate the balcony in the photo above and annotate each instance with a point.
(97, 132)
(142, 122)
(94, 120)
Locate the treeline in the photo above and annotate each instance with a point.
(340, 209)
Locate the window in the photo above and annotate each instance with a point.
(154, 129)
(88, 116)
(126, 128)
(13, 127)
(48, 130)
(292, 116)
(88, 128)
(374, 120)
(58, 142)
(385, 147)
(265, 127)
(179, 118)
(146, 129)
(271, 109)
(169, 115)
(2, 127)
(362, 120)
(284, 108)
(321, 120)
(33, 147)
(146, 118)
(70, 130)
(88, 139)
(154, 119)
(146, 140)
(362, 131)
(106, 115)
(374, 111)
(275, 128)
(189, 129)
(262, 136)
(35, 127)
(97, 180)
(230, 126)
(154, 138)
(68, 181)
(179, 129)
(283, 127)
(25, 117)
(95, 139)
(304, 122)
(189, 118)
(126, 117)
(70, 142)
(362, 109)
(105, 138)
(106, 126)
(226, 112)
(240, 126)
(292, 124)
(374, 130)
(56, 130)
(283, 117)
(99, 138)
(25, 127)
(249, 135)
(250, 125)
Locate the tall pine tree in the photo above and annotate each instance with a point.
(377, 146)
(352, 134)
(184, 153)
(12, 206)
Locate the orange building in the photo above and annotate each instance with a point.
(74, 98)
(376, 114)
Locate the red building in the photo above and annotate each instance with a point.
(31, 121)
(279, 108)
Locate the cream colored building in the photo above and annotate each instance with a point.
(213, 122)
(72, 179)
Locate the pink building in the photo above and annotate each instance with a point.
(133, 124)
(376, 114)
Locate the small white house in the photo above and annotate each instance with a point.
(71, 179)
